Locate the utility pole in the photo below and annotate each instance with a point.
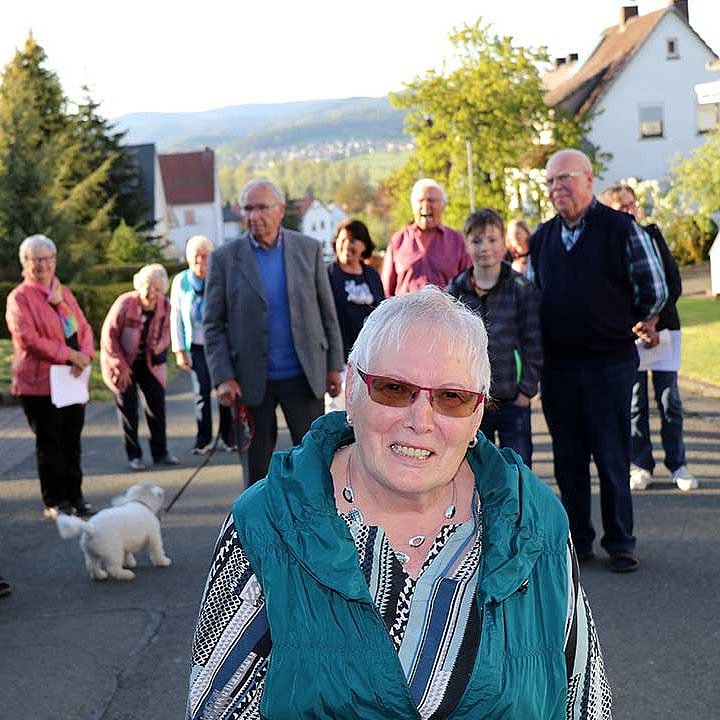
(471, 186)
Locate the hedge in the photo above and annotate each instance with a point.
(95, 301)
(95, 291)
(119, 273)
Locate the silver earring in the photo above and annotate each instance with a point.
(473, 442)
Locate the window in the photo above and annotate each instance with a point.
(708, 117)
(651, 121)
(671, 45)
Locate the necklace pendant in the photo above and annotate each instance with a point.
(416, 541)
(402, 558)
(450, 511)
(348, 494)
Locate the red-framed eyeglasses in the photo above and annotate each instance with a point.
(391, 392)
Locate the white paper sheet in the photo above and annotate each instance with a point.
(655, 354)
(65, 388)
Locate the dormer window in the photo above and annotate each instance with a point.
(671, 46)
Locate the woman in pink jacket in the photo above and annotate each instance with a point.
(133, 355)
(48, 328)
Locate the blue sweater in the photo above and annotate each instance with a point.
(283, 362)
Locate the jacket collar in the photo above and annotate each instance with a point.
(304, 515)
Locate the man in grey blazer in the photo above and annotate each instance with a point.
(271, 332)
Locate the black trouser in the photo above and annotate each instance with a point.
(300, 407)
(57, 447)
(127, 405)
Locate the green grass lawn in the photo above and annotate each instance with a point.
(700, 321)
(98, 390)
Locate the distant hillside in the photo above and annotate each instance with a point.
(272, 128)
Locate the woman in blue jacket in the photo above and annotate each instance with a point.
(187, 300)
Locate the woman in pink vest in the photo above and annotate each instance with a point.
(48, 328)
(133, 355)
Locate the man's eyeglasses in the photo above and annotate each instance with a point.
(260, 207)
(562, 178)
(398, 393)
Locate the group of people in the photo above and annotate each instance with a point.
(395, 562)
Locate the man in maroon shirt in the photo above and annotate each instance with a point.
(425, 251)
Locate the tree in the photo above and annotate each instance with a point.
(61, 174)
(127, 246)
(696, 179)
(492, 105)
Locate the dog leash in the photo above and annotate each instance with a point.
(243, 431)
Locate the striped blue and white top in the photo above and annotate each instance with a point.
(432, 621)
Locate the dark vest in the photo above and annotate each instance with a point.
(586, 308)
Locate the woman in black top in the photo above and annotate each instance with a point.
(356, 287)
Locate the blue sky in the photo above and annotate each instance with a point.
(157, 55)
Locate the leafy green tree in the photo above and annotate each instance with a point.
(696, 179)
(127, 246)
(492, 103)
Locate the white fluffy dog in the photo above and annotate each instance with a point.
(110, 537)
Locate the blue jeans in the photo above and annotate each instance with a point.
(587, 408)
(667, 397)
(512, 425)
(202, 387)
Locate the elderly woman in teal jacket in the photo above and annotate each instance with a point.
(396, 564)
(187, 302)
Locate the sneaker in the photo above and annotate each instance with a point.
(640, 478)
(5, 588)
(52, 511)
(137, 465)
(167, 459)
(684, 479)
(202, 450)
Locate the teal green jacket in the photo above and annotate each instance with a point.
(331, 655)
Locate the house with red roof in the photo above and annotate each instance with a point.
(192, 194)
(639, 83)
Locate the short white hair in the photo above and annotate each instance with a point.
(451, 328)
(422, 184)
(147, 273)
(31, 244)
(195, 243)
(261, 182)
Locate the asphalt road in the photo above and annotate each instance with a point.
(71, 648)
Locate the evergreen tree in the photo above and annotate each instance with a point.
(127, 246)
(31, 115)
(62, 174)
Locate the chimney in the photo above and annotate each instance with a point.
(682, 7)
(559, 62)
(627, 12)
(572, 57)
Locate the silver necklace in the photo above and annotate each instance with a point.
(355, 514)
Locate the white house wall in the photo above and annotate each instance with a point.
(205, 216)
(650, 78)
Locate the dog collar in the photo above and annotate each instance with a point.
(146, 505)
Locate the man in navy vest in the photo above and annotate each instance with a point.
(599, 276)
